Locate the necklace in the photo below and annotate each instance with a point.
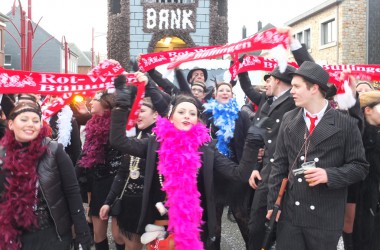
(160, 178)
(134, 170)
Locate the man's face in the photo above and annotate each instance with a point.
(197, 75)
(300, 92)
(271, 86)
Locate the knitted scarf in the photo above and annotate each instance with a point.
(19, 198)
(179, 162)
(97, 132)
(224, 117)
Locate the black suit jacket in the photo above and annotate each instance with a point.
(336, 146)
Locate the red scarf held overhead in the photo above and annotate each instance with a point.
(265, 40)
(19, 197)
(153, 60)
(66, 85)
(179, 161)
(362, 72)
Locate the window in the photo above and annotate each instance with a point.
(170, 1)
(328, 32)
(307, 39)
(1, 40)
(115, 6)
(7, 60)
(300, 37)
(304, 37)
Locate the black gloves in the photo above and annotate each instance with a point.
(84, 239)
(124, 94)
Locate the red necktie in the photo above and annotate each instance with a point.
(312, 122)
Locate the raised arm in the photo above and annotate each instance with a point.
(160, 99)
(165, 84)
(119, 117)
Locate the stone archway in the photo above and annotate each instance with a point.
(178, 40)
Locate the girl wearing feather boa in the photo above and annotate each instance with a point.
(229, 126)
(179, 170)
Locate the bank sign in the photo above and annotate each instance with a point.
(167, 17)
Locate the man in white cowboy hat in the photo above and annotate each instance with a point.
(313, 206)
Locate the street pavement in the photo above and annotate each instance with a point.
(231, 237)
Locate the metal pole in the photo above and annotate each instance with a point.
(66, 49)
(23, 34)
(92, 50)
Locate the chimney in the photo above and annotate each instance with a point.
(244, 32)
(259, 26)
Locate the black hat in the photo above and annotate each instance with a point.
(266, 76)
(313, 73)
(191, 73)
(285, 77)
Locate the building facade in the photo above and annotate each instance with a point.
(144, 26)
(3, 20)
(341, 31)
(48, 53)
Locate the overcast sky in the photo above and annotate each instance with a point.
(75, 19)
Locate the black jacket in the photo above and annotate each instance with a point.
(60, 189)
(147, 148)
(367, 218)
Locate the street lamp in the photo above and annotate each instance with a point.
(26, 52)
(66, 49)
(26, 45)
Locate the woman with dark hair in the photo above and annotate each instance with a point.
(99, 163)
(131, 177)
(39, 194)
(229, 126)
(367, 219)
(178, 171)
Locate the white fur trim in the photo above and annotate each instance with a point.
(279, 53)
(64, 125)
(347, 99)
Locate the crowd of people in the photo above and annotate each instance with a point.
(193, 153)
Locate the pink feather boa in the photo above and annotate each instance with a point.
(179, 161)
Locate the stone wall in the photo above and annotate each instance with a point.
(374, 32)
(350, 47)
(118, 38)
(353, 37)
(128, 35)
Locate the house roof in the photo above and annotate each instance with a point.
(313, 11)
(266, 27)
(35, 25)
(3, 19)
(83, 60)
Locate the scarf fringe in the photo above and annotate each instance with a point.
(179, 162)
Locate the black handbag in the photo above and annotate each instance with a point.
(115, 208)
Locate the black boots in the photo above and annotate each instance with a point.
(119, 247)
(348, 241)
(103, 245)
